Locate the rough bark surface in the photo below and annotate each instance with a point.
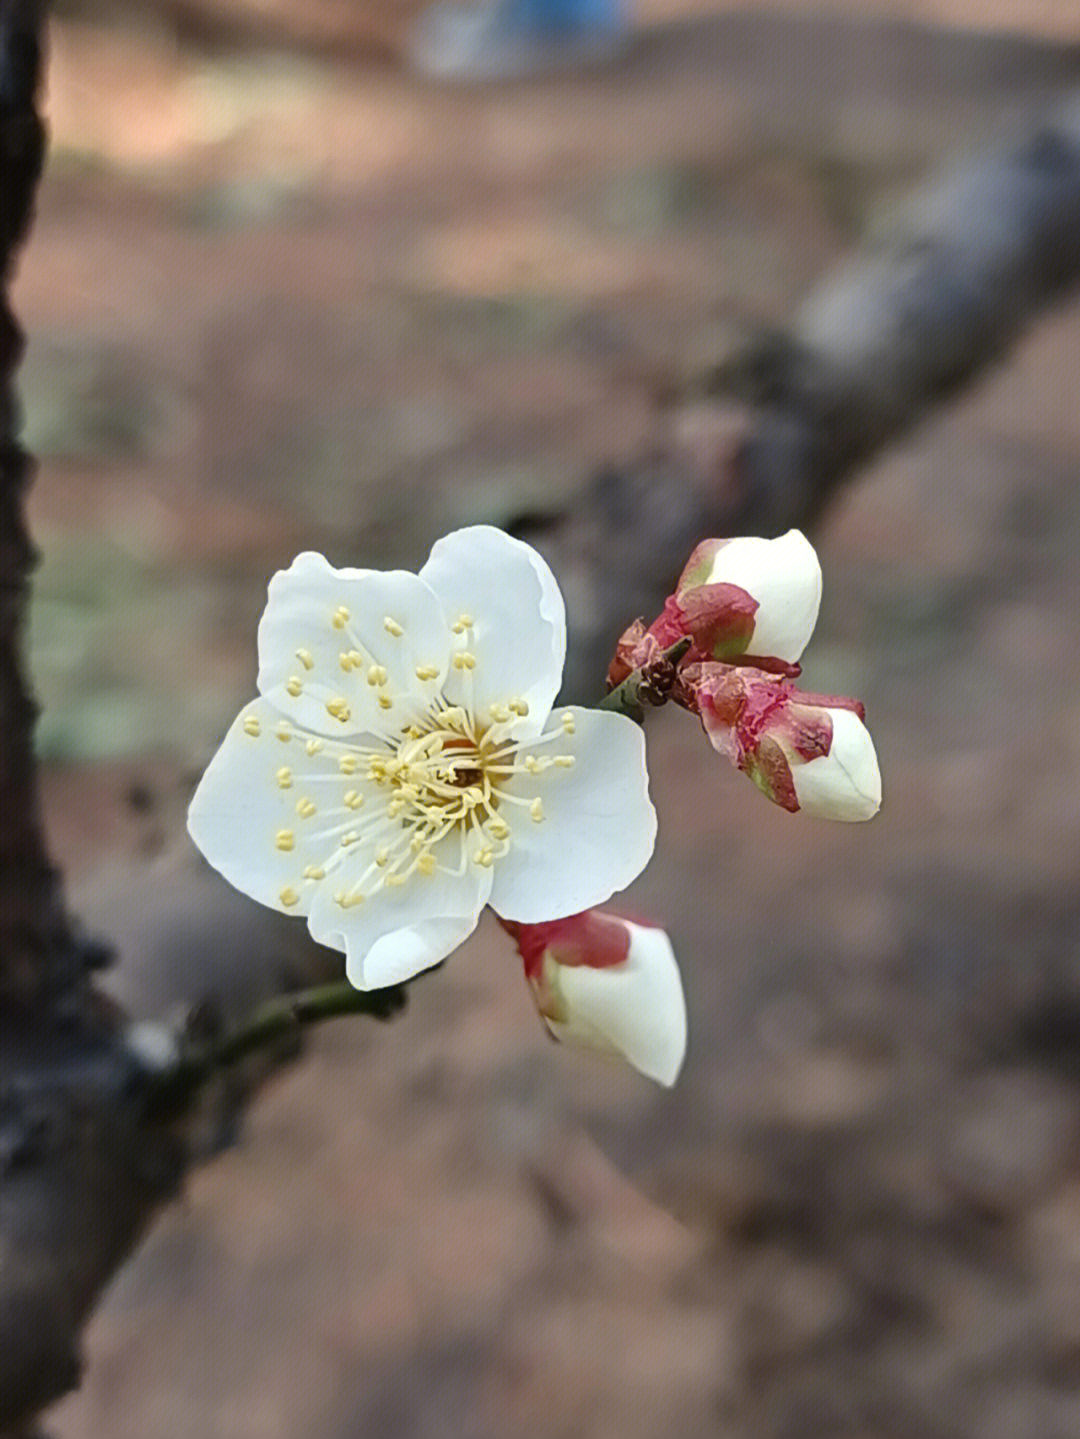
(34, 937)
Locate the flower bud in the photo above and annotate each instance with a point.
(805, 752)
(750, 596)
(608, 984)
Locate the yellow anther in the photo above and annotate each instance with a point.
(564, 761)
(294, 687)
(458, 628)
(283, 733)
(345, 660)
(520, 707)
(382, 856)
(349, 837)
(353, 799)
(341, 618)
(306, 658)
(466, 621)
(532, 764)
(347, 764)
(485, 858)
(339, 709)
(313, 746)
(498, 828)
(284, 777)
(385, 702)
(416, 844)
(312, 871)
(285, 839)
(348, 899)
(394, 879)
(394, 808)
(289, 896)
(252, 726)
(567, 723)
(305, 808)
(415, 732)
(427, 672)
(536, 810)
(392, 627)
(426, 863)
(500, 713)
(463, 660)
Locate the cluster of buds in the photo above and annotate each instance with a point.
(747, 608)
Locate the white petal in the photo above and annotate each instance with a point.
(846, 783)
(316, 614)
(636, 1009)
(245, 816)
(784, 576)
(598, 827)
(518, 635)
(395, 933)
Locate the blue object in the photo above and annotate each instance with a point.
(502, 39)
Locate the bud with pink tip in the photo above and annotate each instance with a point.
(804, 751)
(746, 597)
(608, 984)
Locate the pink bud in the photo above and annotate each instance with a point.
(608, 984)
(751, 596)
(804, 751)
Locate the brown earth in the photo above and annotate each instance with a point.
(281, 299)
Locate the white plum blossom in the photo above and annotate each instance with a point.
(403, 765)
(782, 577)
(605, 983)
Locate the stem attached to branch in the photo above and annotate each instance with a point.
(649, 685)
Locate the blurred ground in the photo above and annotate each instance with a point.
(281, 300)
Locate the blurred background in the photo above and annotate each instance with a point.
(283, 294)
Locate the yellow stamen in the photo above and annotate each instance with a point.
(385, 702)
(294, 687)
(339, 709)
(347, 764)
(305, 808)
(252, 726)
(392, 627)
(341, 618)
(284, 777)
(314, 746)
(306, 659)
(426, 863)
(536, 810)
(285, 839)
(312, 871)
(427, 672)
(289, 896)
(353, 799)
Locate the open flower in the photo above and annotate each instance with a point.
(608, 984)
(403, 768)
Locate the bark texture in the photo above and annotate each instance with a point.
(771, 436)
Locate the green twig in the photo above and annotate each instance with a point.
(282, 1018)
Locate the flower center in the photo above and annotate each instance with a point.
(441, 785)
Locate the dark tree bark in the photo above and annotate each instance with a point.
(35, 943)
(772, 436)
